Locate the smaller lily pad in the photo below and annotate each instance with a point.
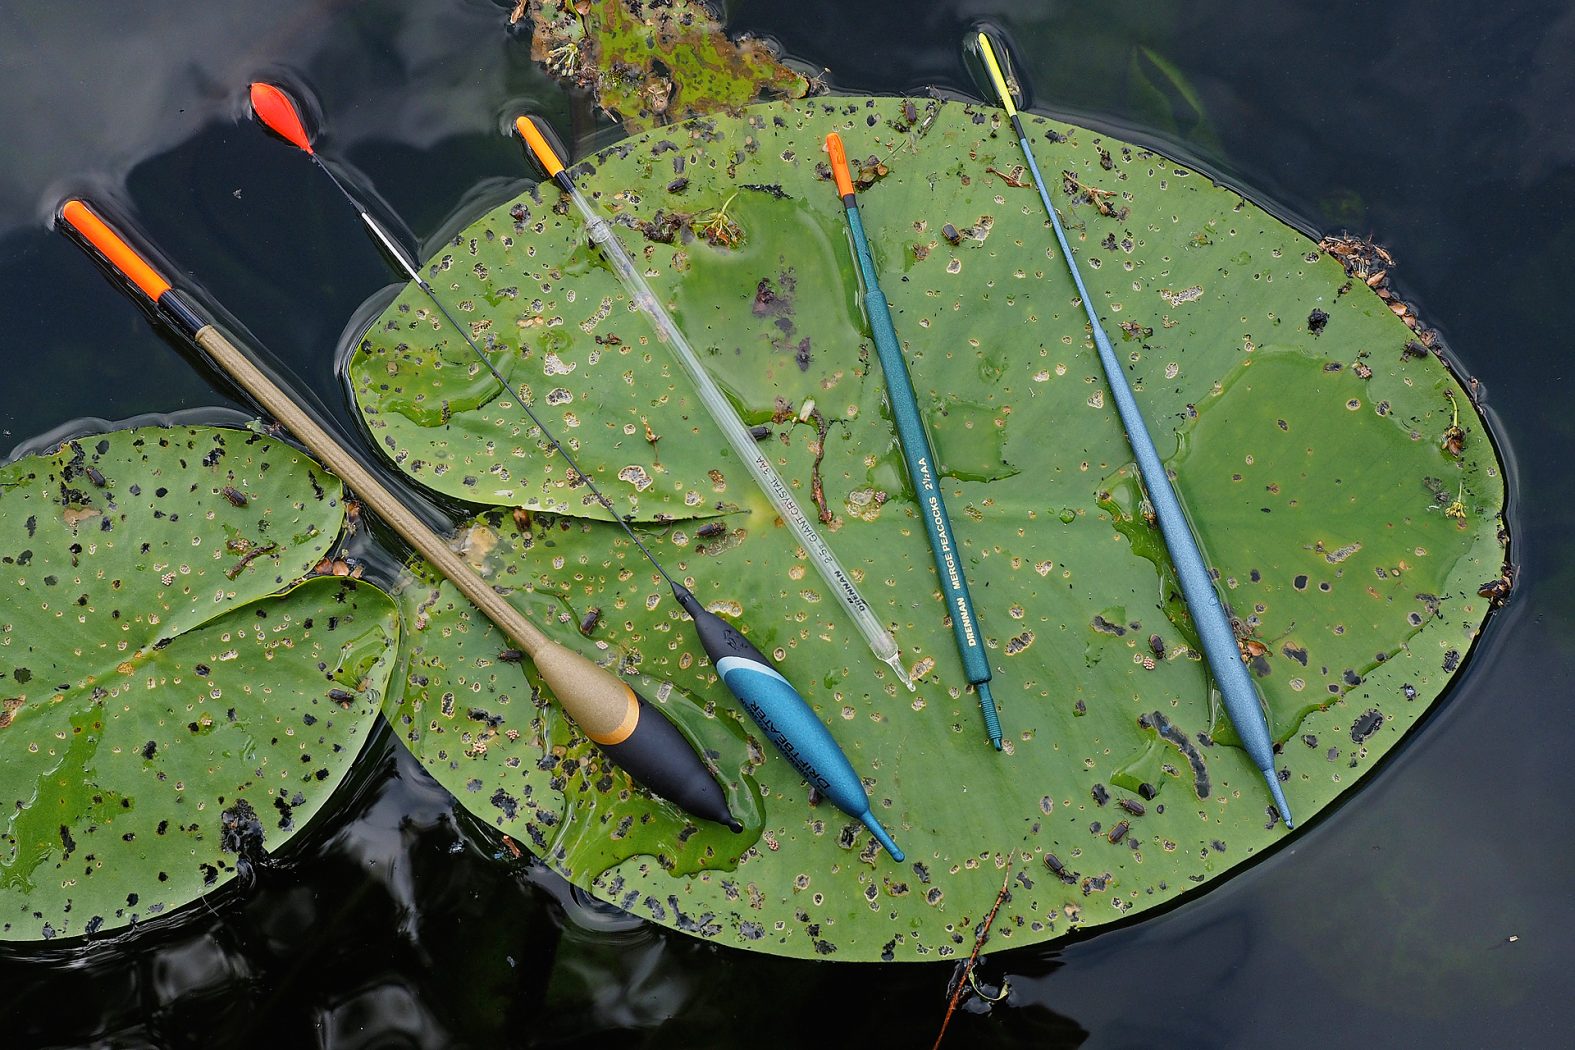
(164, 713)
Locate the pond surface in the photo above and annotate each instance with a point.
(1434, 905)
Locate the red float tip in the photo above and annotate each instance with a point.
(278, 113)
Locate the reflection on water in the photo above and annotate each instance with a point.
(1433, 905)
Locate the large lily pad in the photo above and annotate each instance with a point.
(1350, 537)
(166, 712)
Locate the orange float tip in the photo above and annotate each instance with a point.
(278, 113)
(538, 145)
(122, 256)
(839, 164)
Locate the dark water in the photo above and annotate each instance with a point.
(1435, 906)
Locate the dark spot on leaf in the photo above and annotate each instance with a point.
(241, 833)
(492, 721)
(1366, 725)
(1104, 626)
(801, 354)
(1096, 883)
(505, 802)
(1170, 732)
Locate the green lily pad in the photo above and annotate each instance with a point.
(1310, 445)
(166, 711)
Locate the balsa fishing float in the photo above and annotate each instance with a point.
(917, 453)
(1214, 630)
(768, 697)
(738, 437)
(633, 733)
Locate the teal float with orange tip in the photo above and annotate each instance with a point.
(917, 454)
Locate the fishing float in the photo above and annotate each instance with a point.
(633, 733)
(738, 437)
(917, 454)
(771, 700)
(1242, 703)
